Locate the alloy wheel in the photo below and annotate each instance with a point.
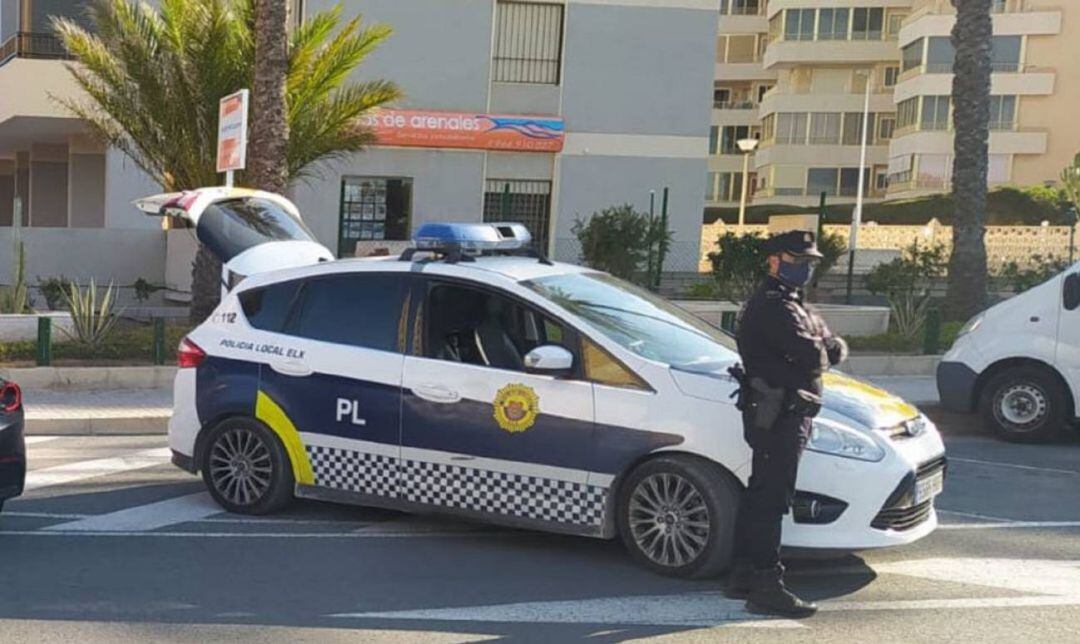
(669, 520)
(240, 466)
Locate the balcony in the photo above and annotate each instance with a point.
(1007, 138)
(1011, 18)
(792, 53)
(39, 46)
(1005, 80)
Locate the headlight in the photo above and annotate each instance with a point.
(970, 325)
(837, 440)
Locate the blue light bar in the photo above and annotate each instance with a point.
(471, 237)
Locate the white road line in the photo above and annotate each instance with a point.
(961, 603)
(972, 515)
(81, 470)
(151, 516)
(1015, 466)
(45, 515)
(35, 440)
(1011, 525)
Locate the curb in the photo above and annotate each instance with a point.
(127, 426)
(889, 365)
(85, 378)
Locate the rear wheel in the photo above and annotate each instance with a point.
(246, 469)
(677, 516)
(1025, 405)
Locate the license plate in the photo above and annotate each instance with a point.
(929, 487)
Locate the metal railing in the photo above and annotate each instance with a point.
(735, 105)
(26, 44)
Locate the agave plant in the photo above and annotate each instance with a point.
(16, 297)
(93, 315)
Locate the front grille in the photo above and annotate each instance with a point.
(901, 519)
(929, 468)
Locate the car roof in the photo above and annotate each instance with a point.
(516, 269)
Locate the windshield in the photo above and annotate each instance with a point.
(638, 320)
(232, 226)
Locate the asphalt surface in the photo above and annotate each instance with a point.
(113, 544)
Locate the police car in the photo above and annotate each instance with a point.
(472, 377)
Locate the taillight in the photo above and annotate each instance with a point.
(189, 354)
(10, 397)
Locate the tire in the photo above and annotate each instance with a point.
(708, 534)
(246, 469)
(1025, 405)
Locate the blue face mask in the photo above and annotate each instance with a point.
(797, 274)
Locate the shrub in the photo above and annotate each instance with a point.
(92, 317)
(738, 265)
(905, 282)
(54, 290)
(144, 289)
(620, 241)
(1041, 268)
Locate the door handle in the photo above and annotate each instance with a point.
(292, 368)
(437, 393)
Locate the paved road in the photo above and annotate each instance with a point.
(112, 544)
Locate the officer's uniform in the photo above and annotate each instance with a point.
(789, 347)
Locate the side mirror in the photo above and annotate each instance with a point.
(549, 359)
(1071, 295)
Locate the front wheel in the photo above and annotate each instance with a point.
(1025, 405)
(246, 469)
(677, 515)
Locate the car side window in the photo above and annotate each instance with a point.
(602, 368)
(356, 309)
(267, 308)
(480, 327)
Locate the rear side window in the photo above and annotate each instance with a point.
(361, 310)
(267, 308)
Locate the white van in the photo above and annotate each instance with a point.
(1018, 362)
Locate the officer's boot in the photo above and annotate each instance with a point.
(740, 580)
(769, 596)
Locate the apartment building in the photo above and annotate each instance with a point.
(622, 85)
(794, 75)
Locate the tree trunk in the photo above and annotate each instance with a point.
(205, 285)
(267, 168)
(966, 293)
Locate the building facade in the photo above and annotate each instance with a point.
(794, 74)
(625, 80)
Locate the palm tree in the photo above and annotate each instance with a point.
(971, 34)
(153, 79)
(269, 127)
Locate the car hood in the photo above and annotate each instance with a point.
(864, 404)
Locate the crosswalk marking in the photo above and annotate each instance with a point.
(81, 470)
(35, 440)
(147, 517)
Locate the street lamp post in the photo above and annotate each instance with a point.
(856, 215)
(747, 146)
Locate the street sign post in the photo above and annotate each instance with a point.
(232, 134)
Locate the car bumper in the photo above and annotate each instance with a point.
(880, 511)
(956, 386)
(12, 456)
(184, 423)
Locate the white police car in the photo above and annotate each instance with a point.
(472, 379)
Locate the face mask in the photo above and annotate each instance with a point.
(796, 274)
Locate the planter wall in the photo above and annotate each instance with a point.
(17, 327)
(851, 321)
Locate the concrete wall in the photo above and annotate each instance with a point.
(86, 180)
(7, 195)
(121, 256)
(9, 18)
(125, 182)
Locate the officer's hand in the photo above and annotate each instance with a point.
(837, 349)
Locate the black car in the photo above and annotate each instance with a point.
(12, 444)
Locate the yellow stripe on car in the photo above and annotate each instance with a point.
(882, 400)
(270, 413)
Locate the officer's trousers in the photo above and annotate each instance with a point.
(769, 495)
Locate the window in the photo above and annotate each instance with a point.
(799, 24)
(832, 24)
(911, 55)
(819, 180)
(741, 49)
(894, 24)
(867, 24)
(791, 127)
(881, 181)
(373, 209)
(1005, 53)
(997, 170)
(640, 322)
(721, 96)
(1002, 112)
(724, 186)
(907, 113)
(761, 91)
(528, 42)
(853, 128)
(886, 126)
(356, 309)
(768, 127)
(935, 112)
(526, 202)
(714, 139)
(268, 307)
(484, 328)
(933, 171)
(230, 227)
(892, 72)
(602, 368)
(740, 7)
(825, 128)
(729, 138)
(940, 55)
(849, 181)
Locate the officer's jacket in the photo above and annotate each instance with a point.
(782, 341)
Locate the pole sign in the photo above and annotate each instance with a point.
(232, 132)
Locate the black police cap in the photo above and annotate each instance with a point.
(799, 243)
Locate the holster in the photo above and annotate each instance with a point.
(768, 403)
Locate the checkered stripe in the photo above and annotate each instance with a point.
(454, 486)
(343, 469)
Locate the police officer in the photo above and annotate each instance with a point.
(785, 347)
